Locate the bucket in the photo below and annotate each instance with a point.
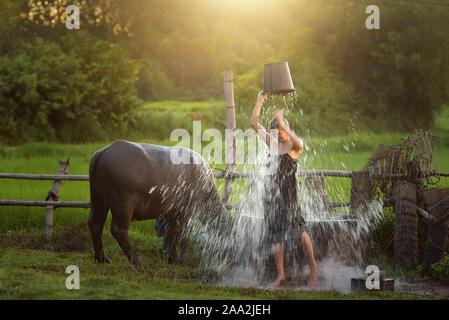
(277, 79)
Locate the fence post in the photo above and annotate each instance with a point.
(360, 191)
(317, 192)
(437, 204)
(230, 137)
(406, 225)
(53, 195)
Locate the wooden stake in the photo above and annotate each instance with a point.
(53, 196)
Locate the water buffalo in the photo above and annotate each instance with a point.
(138, 181)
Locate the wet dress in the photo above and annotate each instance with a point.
(282, 211)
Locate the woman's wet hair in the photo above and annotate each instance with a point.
(274, 123)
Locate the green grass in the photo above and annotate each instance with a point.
(442, 120)
(182, 106)
(32, 268)
(158, 119)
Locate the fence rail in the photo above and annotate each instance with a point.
(217, 175)
(51, 202)
(86, 204)
(35, 203)
(55, 177)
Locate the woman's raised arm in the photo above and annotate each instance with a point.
(264, 135)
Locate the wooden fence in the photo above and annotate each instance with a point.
(314, 180)
(58, 178)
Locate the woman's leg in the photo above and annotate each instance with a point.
(311, 258)
(279, 261)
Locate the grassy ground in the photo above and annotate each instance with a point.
(32, 268)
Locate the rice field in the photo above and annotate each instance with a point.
(337, 153)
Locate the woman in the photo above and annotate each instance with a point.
(281, 206)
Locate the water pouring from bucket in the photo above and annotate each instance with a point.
(244, 257)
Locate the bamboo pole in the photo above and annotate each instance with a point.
(26, 176)
(217, 175)
(230, 137)
(86, 204)
(299, 173)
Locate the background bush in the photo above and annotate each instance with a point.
(79, 90)
(441, 268)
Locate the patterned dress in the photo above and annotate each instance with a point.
(282, 211)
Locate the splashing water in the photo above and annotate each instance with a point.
(240, 257)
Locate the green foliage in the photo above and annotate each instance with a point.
(10, 27)
(80, 90)
(326, 103)
(159, 125)
(347, 77)
(154, 84)
(392, 78)
(157, 120)
(441, 268)
(381, 239)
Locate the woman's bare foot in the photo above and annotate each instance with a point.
(313, 278)
(276, 283)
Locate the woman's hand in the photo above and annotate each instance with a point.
(280, 118)
(261, 96)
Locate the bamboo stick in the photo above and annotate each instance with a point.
(230, 137)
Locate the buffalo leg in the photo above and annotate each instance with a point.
(121, 220)
(171, 240)
(183, 246)
(97, 218)
(184, 234)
